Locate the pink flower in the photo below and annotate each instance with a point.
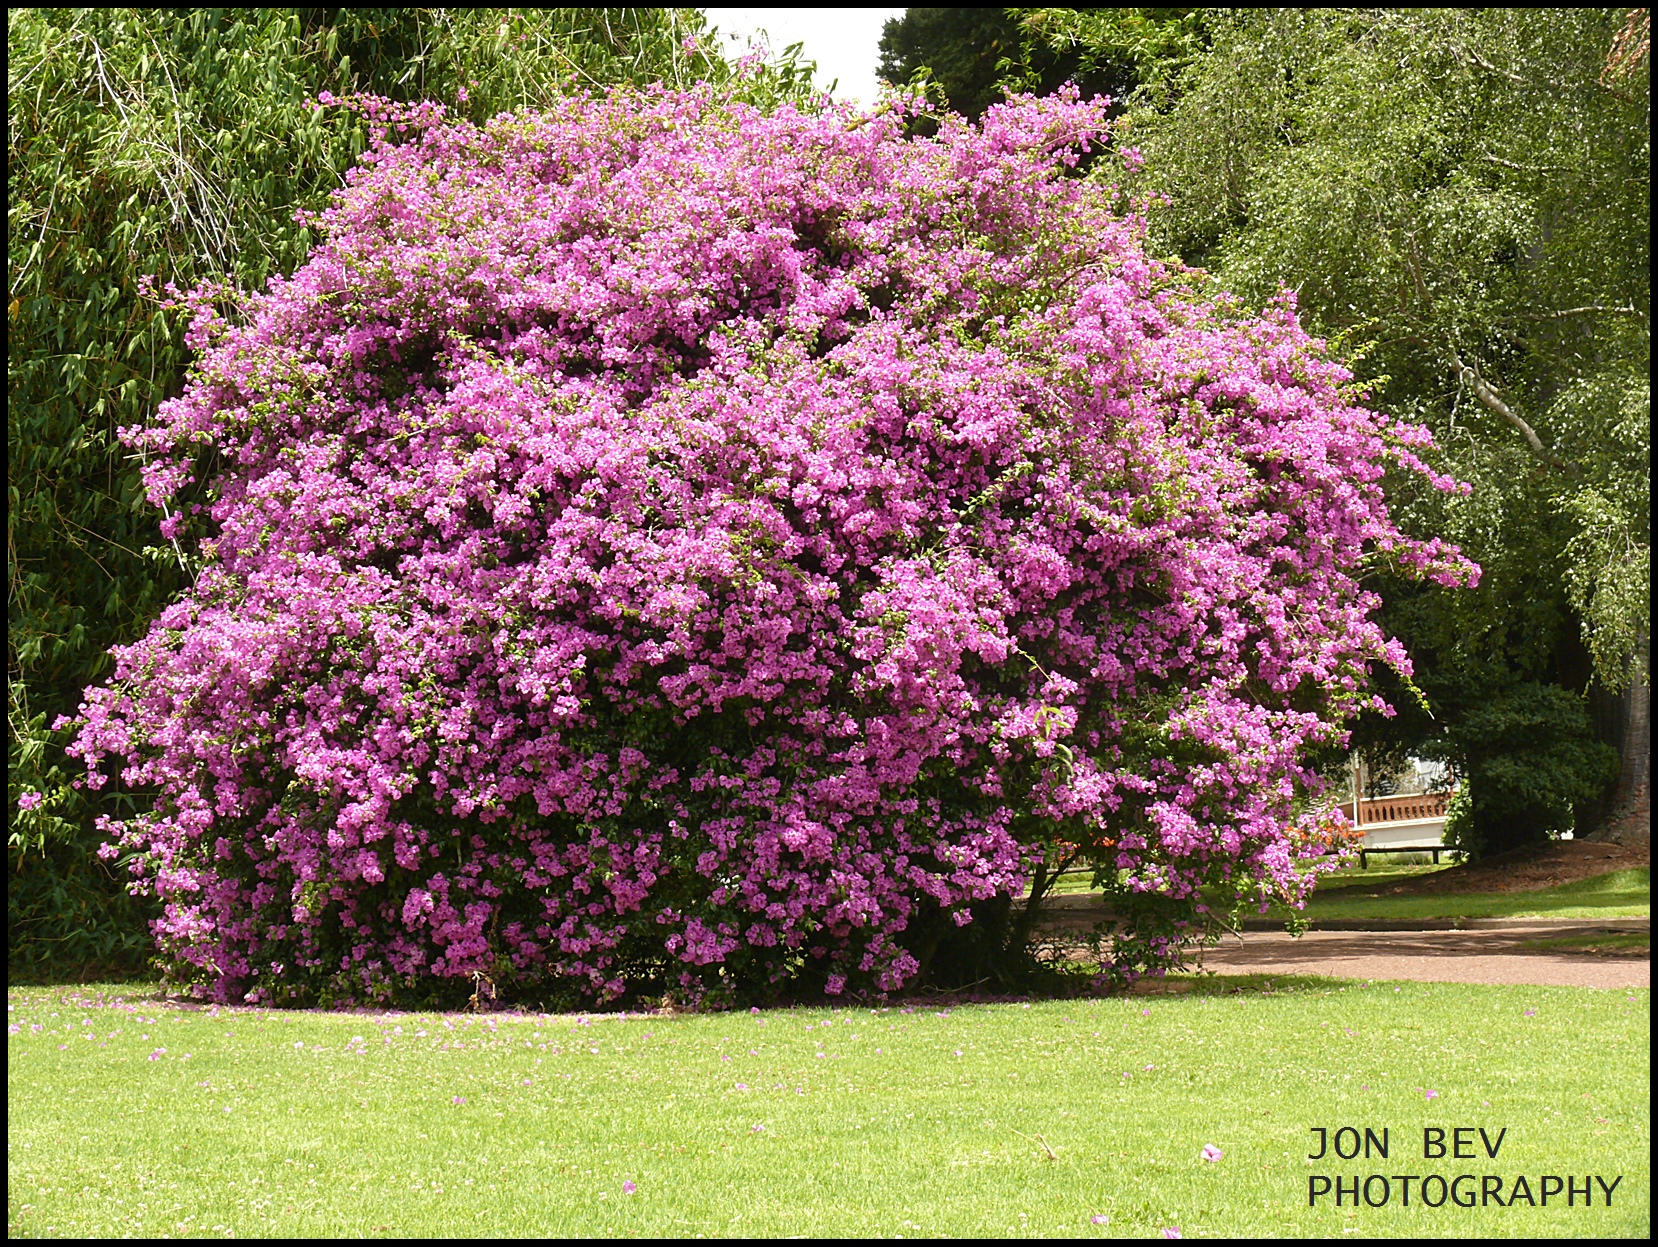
(1171, 1231)
(1211, 1152)
(1430, 1094)
(759, 1129)
(1099, 1218)
(628, 1188)
(29, 800)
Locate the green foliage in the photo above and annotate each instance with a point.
(1459, 819)
(70, 916)
(1137, 48)
(956, 48)
(177, 143)
(974, 55)
(1528, 759)
(1607, 558)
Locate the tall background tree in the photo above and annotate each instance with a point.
(970, 55)
(1461, 198)
(177, 143)
(973, 56)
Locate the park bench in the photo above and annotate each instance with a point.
(1400, 824)
(1404, 824)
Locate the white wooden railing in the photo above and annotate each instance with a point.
(1400, 809)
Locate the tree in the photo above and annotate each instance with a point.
(972, 54)
(1462, 196)
(657, 545)
(177, 144)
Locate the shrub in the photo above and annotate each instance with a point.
(652, 544)
(1531, 764)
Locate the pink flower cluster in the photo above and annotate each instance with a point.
(658, 541)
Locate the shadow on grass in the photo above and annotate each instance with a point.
(1059, 987)
(93, 973)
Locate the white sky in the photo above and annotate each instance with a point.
(845, 43)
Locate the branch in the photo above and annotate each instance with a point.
(1415, 262)
(1472, 379)
(1509, 164)
(1586, 310)
(1474, 58)
(1550, 84)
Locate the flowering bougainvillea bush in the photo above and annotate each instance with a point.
(658, 543)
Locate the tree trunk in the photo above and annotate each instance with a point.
(1624, 721)
(1026, 921)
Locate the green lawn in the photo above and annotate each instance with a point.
(1381, 872)
(132, 1117)
(1344, 895)
(1620, 943)
(1620, 894)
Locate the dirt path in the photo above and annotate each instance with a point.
(1479, 956)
